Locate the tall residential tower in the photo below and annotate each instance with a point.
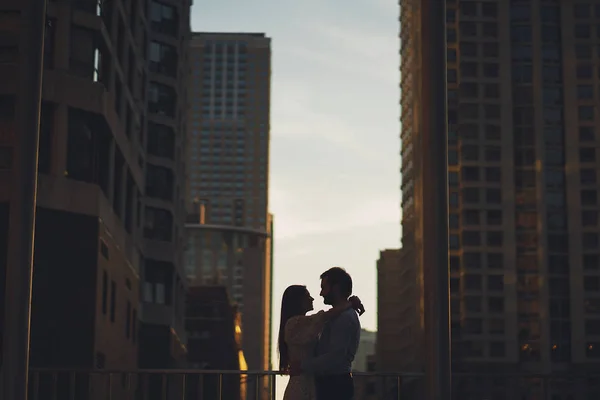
(523, 173)
(229, 228)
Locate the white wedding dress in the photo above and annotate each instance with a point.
(301, 334)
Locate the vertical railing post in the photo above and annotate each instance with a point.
(220, 386)
(273, 387)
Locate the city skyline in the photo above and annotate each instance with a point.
(356, 163)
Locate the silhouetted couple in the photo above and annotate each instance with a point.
(317, 350)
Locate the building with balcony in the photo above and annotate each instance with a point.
(163, 288)
(523, 120)
(88, 236)
(99, 240)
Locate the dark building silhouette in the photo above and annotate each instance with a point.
(163, 286)
(214, 332)
(109, 223)
(524, 247)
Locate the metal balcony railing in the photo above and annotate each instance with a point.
(54, 384)
(66, 384)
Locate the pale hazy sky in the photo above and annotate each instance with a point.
(334, 187)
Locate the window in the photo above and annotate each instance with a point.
(489, 10)
(587, 155)
(469, 153)
(472, 282)
(490, 29)
(468, 29)
(471, 238)
(163, 18)
(470, 195)
(472, 260)
(161, 99)
(493, 196)
(493, 174)
(473, 326)
(494, 217)
(496, 283)
(473, 303)
(496, 326)
(159, 182)
(470, 174)
(582, 31)
(496, 304)
(491, 50)
(453, 221)
(468, 69)
(584, 71)
(468, 8)
(591, 284)
(582, 11)
(491, 70)
(451, 35)
(495, 260)
(454, 242)
(589, 218)
(162, 58)
(586, 134)
(585, 92)
(161, 140)
(158, 224)
(451, 55)
(493, 153)
(454, 263)
(491, 90)
(158, 282)
(497, 349)
(494, 238)
(587, 176)
(583, 51)
(82, 58)
(471, 217)
(468, 49)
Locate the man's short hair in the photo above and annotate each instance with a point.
(339, 276)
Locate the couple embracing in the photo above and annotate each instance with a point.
(317, 350)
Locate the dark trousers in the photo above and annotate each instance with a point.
(335, 387)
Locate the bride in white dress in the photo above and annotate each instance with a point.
(298, 334)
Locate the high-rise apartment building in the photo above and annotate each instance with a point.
(110, 210)
(523, 197)
(88, 232)
(164, 283)
(229, 228)
(228, 128)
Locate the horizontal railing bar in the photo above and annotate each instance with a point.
(203, 372)
(482, 374)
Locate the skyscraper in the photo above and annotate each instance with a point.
(228, 140)
(229, 228)
(110, 209)
(524, 235)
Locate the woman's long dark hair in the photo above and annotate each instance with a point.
(292, 305)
